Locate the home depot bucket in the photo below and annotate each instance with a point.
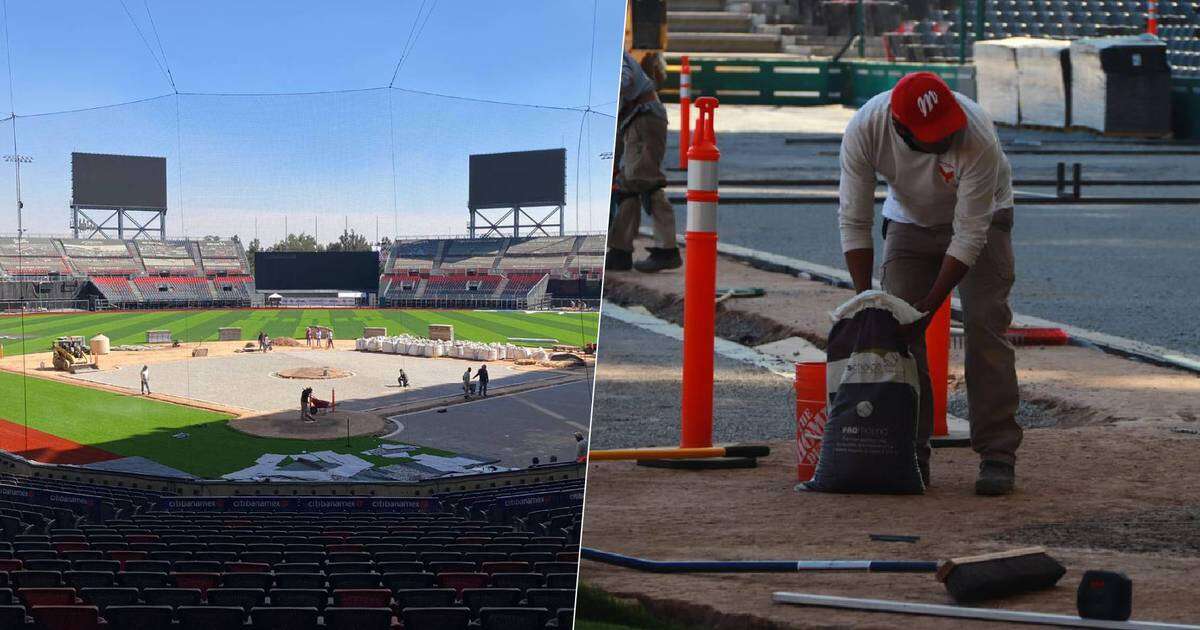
(811, 401)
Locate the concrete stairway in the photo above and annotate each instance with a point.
(707, 26)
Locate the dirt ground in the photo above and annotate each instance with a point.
(1111, 484)
(327, 425)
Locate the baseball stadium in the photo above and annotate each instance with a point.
(299, 335)
(721, 378)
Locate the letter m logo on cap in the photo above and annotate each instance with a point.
(926, 102)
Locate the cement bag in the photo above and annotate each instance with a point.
(871, 432)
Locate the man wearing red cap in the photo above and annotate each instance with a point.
(946, 223)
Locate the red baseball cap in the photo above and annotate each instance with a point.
(922, 102)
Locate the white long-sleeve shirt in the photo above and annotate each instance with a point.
(962, 187)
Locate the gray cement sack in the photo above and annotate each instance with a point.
(871, 432)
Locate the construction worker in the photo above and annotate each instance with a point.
(581, 448)
(402, 379)
(947, 223)
(145, 380)
(641, 146)
(482, 375)
(467, 384)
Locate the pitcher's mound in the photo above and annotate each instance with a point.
(315, 373)
(330, 425)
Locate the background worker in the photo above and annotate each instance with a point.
(947, 223)
(402, 379)
(482, 375)
(145, 380)
(641, 146)
(305, 396)
(581, 448)
(467, 384)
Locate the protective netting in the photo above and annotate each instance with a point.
(383, 161)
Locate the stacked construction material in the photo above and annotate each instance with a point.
(996, 80)
(409, 345)
(1043, 82)
(1122, 85)
(1024, 81)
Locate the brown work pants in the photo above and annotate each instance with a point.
(640, 149)
(912, 257)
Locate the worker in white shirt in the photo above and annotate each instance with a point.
(145, 380)
(947, 223)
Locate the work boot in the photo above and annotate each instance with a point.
(659, 260)
(618, 260)
(995, 478)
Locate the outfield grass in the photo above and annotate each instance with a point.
(131, 425)
(127, 327)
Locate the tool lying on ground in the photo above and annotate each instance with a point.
(968, 579)
(743, 450)
(725, 293)
(964, 612)
(1105, 595)
(757, 566)
(992, 575)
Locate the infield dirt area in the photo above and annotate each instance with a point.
(1106, 477)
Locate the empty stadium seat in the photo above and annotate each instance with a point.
(212, 617)
(138, 617)
(66, 617)
(284, 618)
(358, 618)
(446, 618)
(512, 618)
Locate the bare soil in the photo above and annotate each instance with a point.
(327, 425)
(1109, 483)
(314, 373)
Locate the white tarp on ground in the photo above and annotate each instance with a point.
(996, 80)
(1042, 85)
(336, 466)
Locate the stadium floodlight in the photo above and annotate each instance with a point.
(18, 160)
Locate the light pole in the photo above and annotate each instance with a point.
(18, 159)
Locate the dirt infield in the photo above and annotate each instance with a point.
(328, 425)
(1109, 484)
(44, 447)
(314, 373)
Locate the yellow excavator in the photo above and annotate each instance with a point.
(71, 354)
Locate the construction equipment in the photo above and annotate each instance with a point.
(72, 355)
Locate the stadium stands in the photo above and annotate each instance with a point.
(33, 257)
(928, 30)
(496, 272)
(223, 257)
(488, 559)
(136, 274)
(101, 257)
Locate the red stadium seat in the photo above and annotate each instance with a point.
(459, 581)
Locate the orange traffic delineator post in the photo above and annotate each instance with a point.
(700, 281)
(696, 450)
(937, 355)
(1152, 17)
(685, 111)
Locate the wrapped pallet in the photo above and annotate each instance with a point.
(996, 79)
(1121, 85)
(1044, 82)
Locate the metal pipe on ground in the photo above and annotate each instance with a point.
(964, 612)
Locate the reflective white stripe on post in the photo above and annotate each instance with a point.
(702, 196)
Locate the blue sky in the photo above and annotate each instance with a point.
(240, 146)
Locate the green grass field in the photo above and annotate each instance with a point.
(130, 425)
(127, 327)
